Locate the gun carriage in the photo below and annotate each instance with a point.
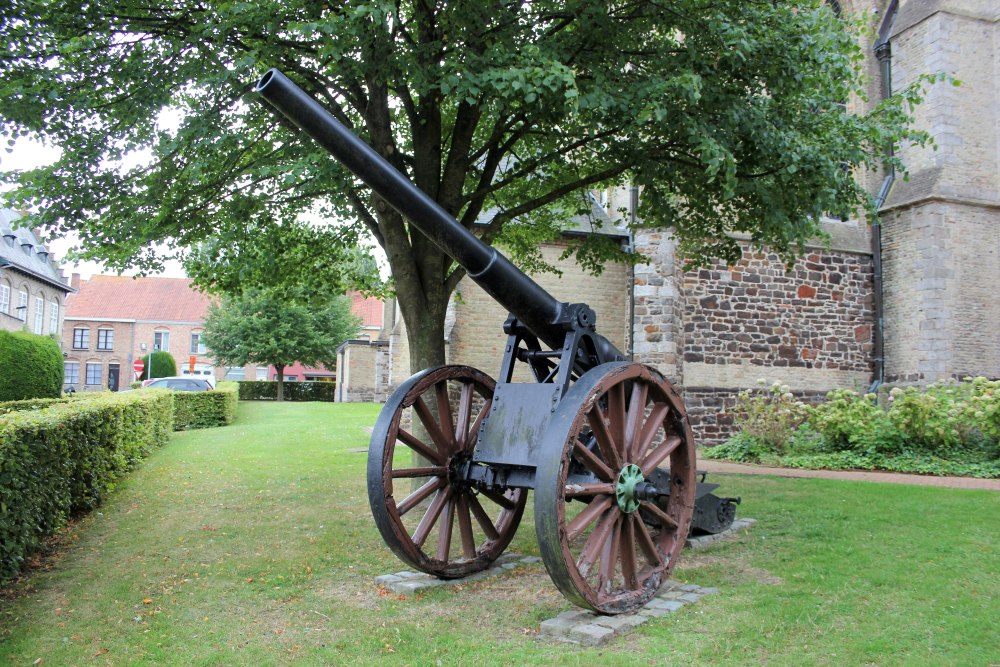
(604, 443)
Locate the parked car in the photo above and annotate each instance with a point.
(179, 384)
(210, 379)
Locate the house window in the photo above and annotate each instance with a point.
(4, 298)
(105, 339)
(22, 306)
(81, 339)
(197, 345)
(39, 314)
(93, 374)
(235, 373)
(54, 317)
(261, 373)
(71, 372)
(161, 341)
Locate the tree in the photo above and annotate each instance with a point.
(32, 366)
(728, 114)
(158, 364)
(278, 328)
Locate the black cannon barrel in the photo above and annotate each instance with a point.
(538, 310)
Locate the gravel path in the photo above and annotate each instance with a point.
(725, 467)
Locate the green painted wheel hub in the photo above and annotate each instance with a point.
(629, 477)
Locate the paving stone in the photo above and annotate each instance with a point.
(411, 575)
(622, 622)
(709, 591)
(654, 612)
(690, 597)
(670, 595)
(557, 627)
(690, 588)
(530, 559)
(669, 605)
(589, 634)
(386, 579)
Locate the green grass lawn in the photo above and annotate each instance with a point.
(253, 545)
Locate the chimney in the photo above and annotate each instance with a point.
(74, 281)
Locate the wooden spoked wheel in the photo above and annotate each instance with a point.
(426, 513)
(606, 542)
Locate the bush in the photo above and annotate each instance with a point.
(266, 390)
(30, 404)
(769, 416)
(162, 365)
(944, 428)
(204, 409)
(66, 458)
(32, 366)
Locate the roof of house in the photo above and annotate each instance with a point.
(168, 300)
(128, 298)
(369, 309)
(21, 249)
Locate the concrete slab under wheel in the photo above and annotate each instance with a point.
(578, 626)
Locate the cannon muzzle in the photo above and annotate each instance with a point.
(535, 308)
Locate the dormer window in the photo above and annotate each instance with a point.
(9, 238)
(26, 247)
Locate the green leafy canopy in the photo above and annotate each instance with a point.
(727, 113)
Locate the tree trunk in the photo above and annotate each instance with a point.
(281, 382)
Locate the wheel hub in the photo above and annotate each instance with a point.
(629, 478)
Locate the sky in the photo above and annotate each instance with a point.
(28, 154)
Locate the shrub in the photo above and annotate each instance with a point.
(848, 421)
(30, 404)
(265, 390)
(32, 366)
(66, 458)
(161, 366)
(768, 415)
(204, 409)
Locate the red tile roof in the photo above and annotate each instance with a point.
(368, 309)
(124, 297)
(169, 300)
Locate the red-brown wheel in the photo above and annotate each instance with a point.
(422, 440)
(605, 541)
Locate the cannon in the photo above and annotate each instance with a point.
(604, 443)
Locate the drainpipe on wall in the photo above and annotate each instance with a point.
(883, 52)
(633, 206)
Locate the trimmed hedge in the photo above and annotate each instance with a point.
(30, 404)
(66, 458)
(204, 409)
(32, 366)
(267, 390)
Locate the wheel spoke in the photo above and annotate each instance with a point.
(636, 411)
(433, 429)
(473, 436)
(444, 415)
(444, 532)
(499, 498)
(592, 547)
(417, 496)
(661, 516)
(646, 543)
(597, 507)
(484, 520)
(403, 473)
(609, 557)
(575, 490)
(417, 445)
(430, 517)
(627, 551)
(605, 442)
(465, 527)
(649, 430)
(616, 415)
(464, 415)
(593, 463)
(658, 455)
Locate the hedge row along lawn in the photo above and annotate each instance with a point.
(253, 544)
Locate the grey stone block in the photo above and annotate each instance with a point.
(589, 634)
(621, 623)
(690, 597)
(386, 580)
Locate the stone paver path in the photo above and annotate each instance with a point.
(725, 467)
